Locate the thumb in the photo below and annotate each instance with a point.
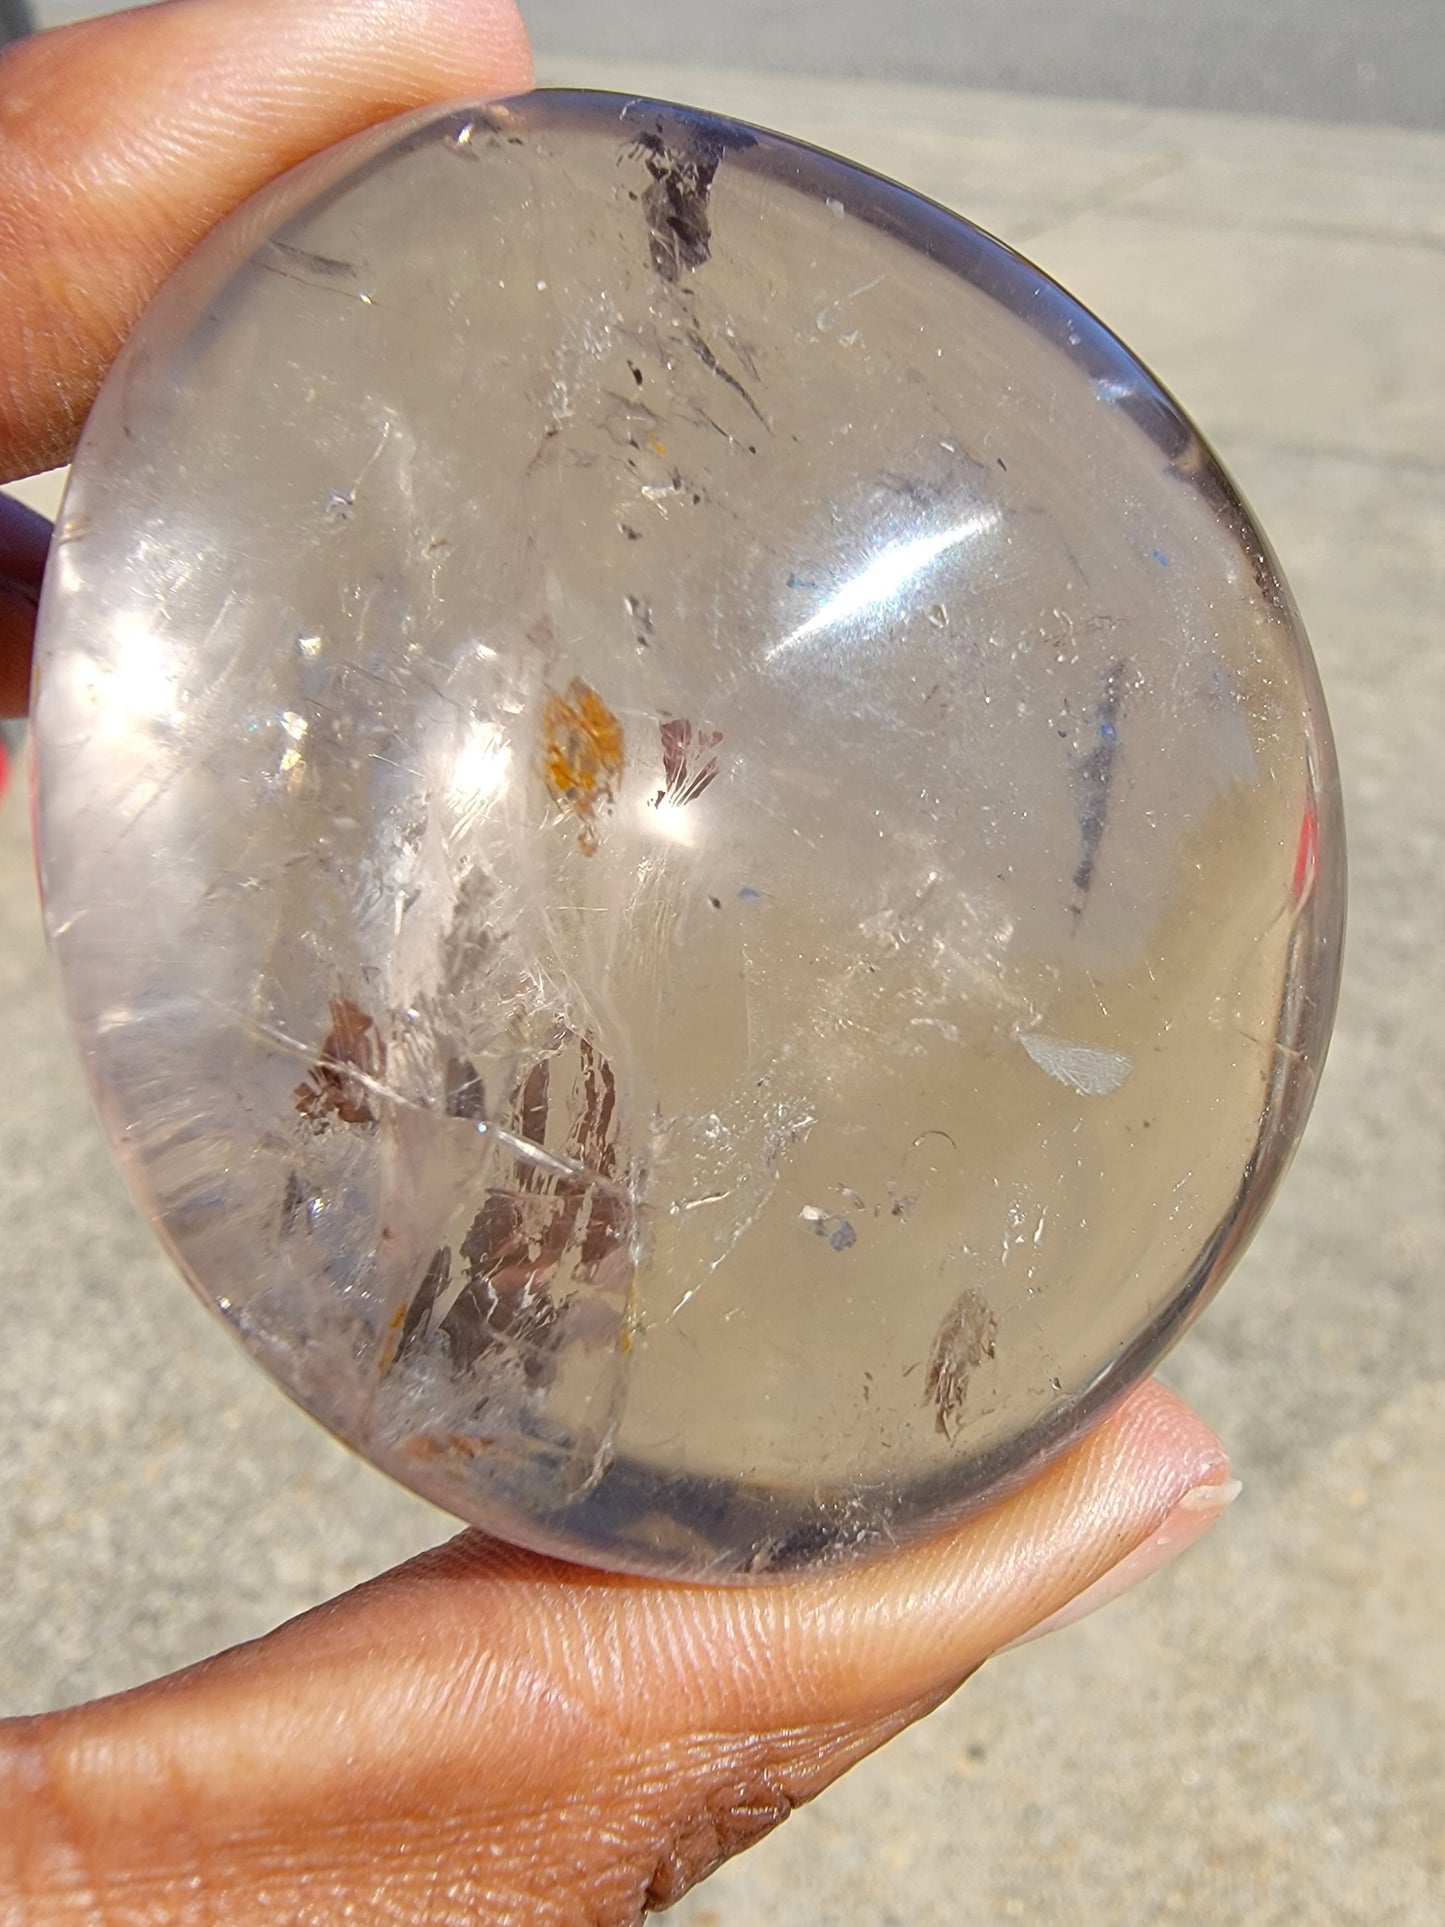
(487, 1734)
(123, 140)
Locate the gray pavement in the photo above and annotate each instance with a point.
(1323, 59)
(1382, 62)
(1257, 1739)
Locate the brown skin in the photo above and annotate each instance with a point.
(124, 140)
(488, 1735)
(24, 543)
(483, 1734)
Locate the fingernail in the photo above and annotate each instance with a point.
(23, 592)
(17, 629)
(1191, 1518)
(24, 544)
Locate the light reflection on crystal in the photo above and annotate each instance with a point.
(875, 590)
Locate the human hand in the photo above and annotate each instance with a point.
(483, 1734)
(124, 140)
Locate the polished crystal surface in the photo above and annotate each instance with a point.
(689, 834)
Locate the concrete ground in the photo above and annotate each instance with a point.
(1334, 60)
(1255, 1740)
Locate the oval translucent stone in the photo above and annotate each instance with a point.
(689, 834)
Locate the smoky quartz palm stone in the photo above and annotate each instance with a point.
(690, 837)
